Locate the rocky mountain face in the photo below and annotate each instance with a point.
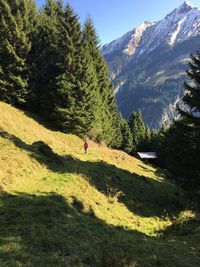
(148, 64)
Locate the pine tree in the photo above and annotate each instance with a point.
(179, 153)
(63, 87)
(107, 117)
(44, 58)
(146, 143)
(127, 141)
(75, 87)
(114, 120)
(90, 43)
(154, 140)
(159, 143)
(14, 48)
(192, 93)
(182, 146)
(138, 129)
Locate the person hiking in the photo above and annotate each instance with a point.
(86, 147)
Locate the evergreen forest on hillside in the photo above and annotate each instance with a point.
(52, 66)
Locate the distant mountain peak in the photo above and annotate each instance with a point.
(136, 37)
(147, 64)
(181, 24)
(129, 42)
(185, 7)
(187, 3)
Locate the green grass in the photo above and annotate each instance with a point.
(60, 207)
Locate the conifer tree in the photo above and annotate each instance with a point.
(148, 135)
(182, 146)
(159, 143)
(146, 142)
(191, 97)
(44, 56)
(154, 140)
(127, 140)
(65, 85)
(90, 44)
(75, 87)
(107, 117)
(15, 27)
(138, 129)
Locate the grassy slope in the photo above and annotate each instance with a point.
(60, 207)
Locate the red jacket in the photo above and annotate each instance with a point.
(85, 145)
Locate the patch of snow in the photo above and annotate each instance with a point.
(170, 113)
(188, 3)
(116, 44)
(184, 60)
(117, 88)
(181, 24)
(160, 73)
(128, 43)
(136, 37)
(178, 26)
(175, 34)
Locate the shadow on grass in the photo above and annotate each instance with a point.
(183, 229)
(141, 195)
(47, 231)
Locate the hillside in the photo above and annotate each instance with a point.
(148, 64)
(60, 207)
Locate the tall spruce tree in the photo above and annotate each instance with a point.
(44, 56)
(146, 144)
(127, 140)
(63, 86)
(90, 44)
(75, 88)
(159, 143)
(138, 130)
(182, 146)
(15, 27)
(107, 117)
(191, 97)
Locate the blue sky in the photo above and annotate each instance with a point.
(113, 18)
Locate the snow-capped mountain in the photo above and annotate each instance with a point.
(129, 41)
(148, 63)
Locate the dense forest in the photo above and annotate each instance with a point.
(52, 65)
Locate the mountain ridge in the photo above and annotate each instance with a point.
(158, 57)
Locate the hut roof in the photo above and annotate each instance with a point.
(147, 155)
